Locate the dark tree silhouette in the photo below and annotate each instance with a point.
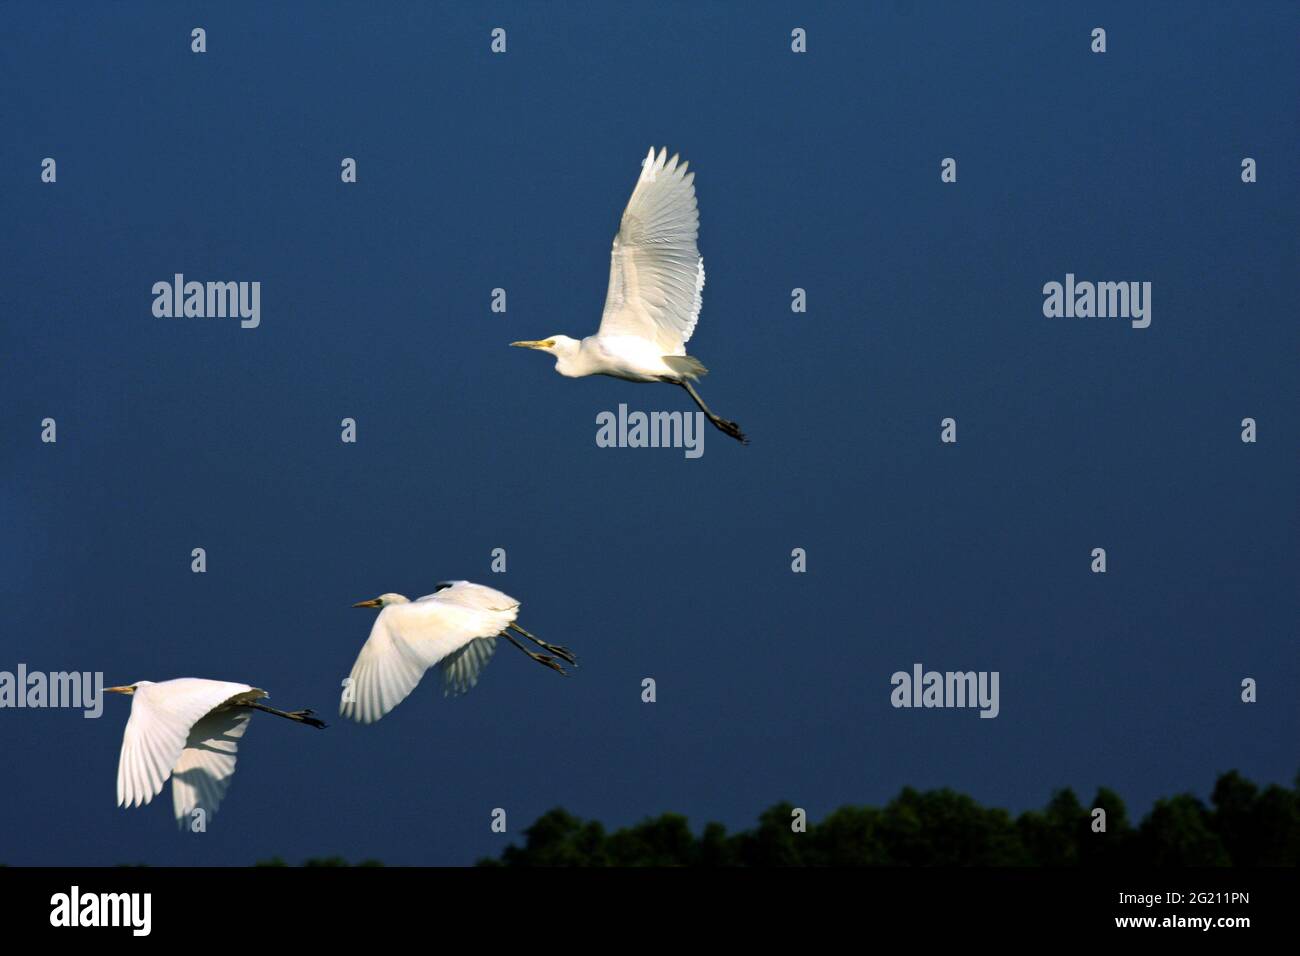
(1246, 827)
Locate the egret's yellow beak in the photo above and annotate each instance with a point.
(124, 689)
(373, 602)
(536, 344)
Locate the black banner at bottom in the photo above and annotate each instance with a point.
(335, 904)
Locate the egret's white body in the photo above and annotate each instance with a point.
(454, 628)
(618, 356)
(187, 729)
(656, 281)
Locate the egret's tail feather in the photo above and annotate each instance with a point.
(687, 366)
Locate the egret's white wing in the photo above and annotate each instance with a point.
(207, 763)
(656, 273)
(162, 715)
(461, 669)
(472, 597)
(408, 639)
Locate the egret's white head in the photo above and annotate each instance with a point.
(384, 600)
(562, 347)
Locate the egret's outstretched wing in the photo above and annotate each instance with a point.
(207, 763)
(408, 639)
(461, 668)
(656, 273)
(471, 597)
(162, 716)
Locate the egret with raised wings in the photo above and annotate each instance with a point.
(656, 277)
(187, 729)
(455, 627)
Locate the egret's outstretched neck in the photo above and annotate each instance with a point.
(570, 359)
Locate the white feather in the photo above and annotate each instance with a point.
(159, 729)
(656, 273)
(410, 637)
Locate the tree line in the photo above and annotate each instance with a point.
(1243, 825)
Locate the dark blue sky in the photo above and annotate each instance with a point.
(819, 171)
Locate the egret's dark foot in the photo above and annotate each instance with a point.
(563, 652)
(730, 428)
(550, 662)
(724, 426)
(306, 717)
(301, 716)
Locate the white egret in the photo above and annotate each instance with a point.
(656, 275)
(455, 627)
(187, 729)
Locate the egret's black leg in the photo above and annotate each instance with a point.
(553, 648)
(540, 658)
(724, 426)
(301, 716)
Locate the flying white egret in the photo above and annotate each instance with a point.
(456, 627)
(187, 729)
(656, 275)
